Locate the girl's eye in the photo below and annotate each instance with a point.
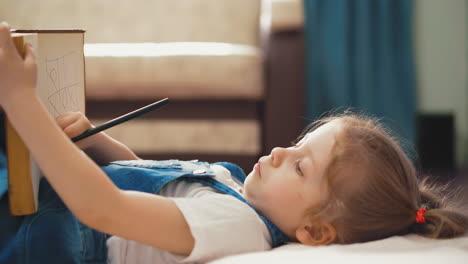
(298, 169)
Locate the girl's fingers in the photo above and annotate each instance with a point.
(77, 128)
(7, 47)
(30, 65)
(66, 119)
(5, 37)
(72, 130)
(29, 57)
(84, 124)
(16, 75)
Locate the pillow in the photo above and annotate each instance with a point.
(409, 249)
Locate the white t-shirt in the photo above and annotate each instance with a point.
(221, 225)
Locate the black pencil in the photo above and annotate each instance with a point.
(122, 119)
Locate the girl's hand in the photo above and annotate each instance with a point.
(17, 75)
(75, 124)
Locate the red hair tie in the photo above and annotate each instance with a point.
(420, 219)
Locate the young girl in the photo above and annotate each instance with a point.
(345, 181)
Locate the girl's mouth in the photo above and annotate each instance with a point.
(257, 169)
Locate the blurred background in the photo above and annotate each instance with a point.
(245, 76)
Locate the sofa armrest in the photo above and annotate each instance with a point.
(284, 96)
(287, 15)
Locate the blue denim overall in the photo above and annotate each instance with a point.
(54, 234)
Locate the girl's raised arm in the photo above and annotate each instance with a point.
(82, 185)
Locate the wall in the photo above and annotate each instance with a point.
(440, 39)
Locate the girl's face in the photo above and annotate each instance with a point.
(283, 185)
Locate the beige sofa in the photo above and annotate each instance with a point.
(212, 58)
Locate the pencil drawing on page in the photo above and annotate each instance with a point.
(63, 83)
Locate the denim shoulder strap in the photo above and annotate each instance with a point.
(277, 236)
(151, 176)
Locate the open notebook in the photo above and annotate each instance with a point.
(61, 88)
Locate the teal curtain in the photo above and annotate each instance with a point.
(3, 174)
(359, 54)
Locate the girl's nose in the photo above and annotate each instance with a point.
(277, 156)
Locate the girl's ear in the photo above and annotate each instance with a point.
(320, 233)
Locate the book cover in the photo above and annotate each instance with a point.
(61, 88)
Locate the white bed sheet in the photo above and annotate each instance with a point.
(409, 249)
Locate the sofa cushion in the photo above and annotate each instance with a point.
(146, 136)
(178, 70)
(233, 21)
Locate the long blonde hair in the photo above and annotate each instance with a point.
(374, 190)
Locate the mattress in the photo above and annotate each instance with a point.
(409, 249)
